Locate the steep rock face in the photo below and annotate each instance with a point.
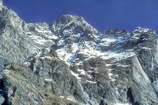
(70, 63)
(20, 40)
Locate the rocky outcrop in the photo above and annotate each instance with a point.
(70, 63)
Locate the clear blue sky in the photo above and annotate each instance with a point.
(102, 14)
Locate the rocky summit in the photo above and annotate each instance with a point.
(69, 62)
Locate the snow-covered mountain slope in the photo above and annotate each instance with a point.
(69, 62)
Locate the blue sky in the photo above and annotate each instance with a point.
(102, 14)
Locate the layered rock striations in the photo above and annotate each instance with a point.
(69, 62)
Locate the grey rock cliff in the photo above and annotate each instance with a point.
(70, 63)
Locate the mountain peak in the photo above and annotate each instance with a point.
(68, 18)
(144, 30)
(72, 23)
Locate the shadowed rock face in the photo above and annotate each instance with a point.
(70, 63)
